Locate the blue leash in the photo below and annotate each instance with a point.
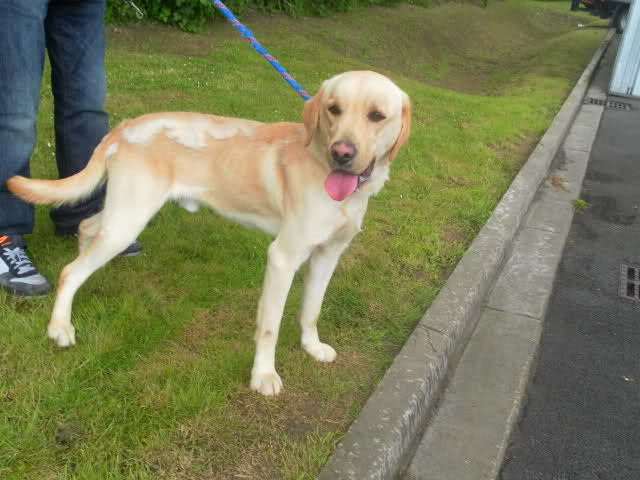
(248, 35)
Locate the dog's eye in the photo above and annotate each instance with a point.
(335, 110)
(376, 116)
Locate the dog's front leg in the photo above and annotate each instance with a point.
(284, 258)
(321, 267)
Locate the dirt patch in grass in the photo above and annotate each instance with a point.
(223, 320)
(414, 272)
(452, 235)
(516, 152)
(297, 413)
(67, 434)
(6, 396)
(198, 450)
(226, 320)
(458, 181)
(22, 305)
(264, 429)
(163, 40)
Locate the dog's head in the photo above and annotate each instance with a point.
(357, 122)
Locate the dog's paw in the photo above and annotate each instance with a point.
(321, 352)
(63, 335)
(266, 383)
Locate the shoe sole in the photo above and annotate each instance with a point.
(135, 254)
(21, 294)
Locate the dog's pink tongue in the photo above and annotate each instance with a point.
(339, 185)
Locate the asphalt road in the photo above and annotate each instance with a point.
(581, 419)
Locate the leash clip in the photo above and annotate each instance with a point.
(139, 13)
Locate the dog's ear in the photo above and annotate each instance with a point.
(311, 115)
(403, 136)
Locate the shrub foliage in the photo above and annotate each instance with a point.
(190, 15)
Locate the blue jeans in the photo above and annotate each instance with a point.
(72, 33)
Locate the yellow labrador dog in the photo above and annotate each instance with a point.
(306, 184)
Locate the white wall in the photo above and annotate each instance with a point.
(625, 80)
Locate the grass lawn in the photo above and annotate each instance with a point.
(157, 387)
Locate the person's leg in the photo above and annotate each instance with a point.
(75, 42)
(22, 47)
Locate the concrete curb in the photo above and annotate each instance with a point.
(382, 439)
(469, 431)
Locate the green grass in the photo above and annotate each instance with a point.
(157, 385)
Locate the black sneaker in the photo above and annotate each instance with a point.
(17, 274)
(131, 251)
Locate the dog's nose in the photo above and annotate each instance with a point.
(343, 152)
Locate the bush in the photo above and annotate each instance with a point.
(190, 15)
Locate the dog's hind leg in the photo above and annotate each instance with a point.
(104, 248)
(120, 223)
(321, 267)
(87, 231)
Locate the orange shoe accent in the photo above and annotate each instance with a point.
(4, 241)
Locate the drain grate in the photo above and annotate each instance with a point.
(608, 103)
(630, 282)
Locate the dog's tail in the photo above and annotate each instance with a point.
(71, 189)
